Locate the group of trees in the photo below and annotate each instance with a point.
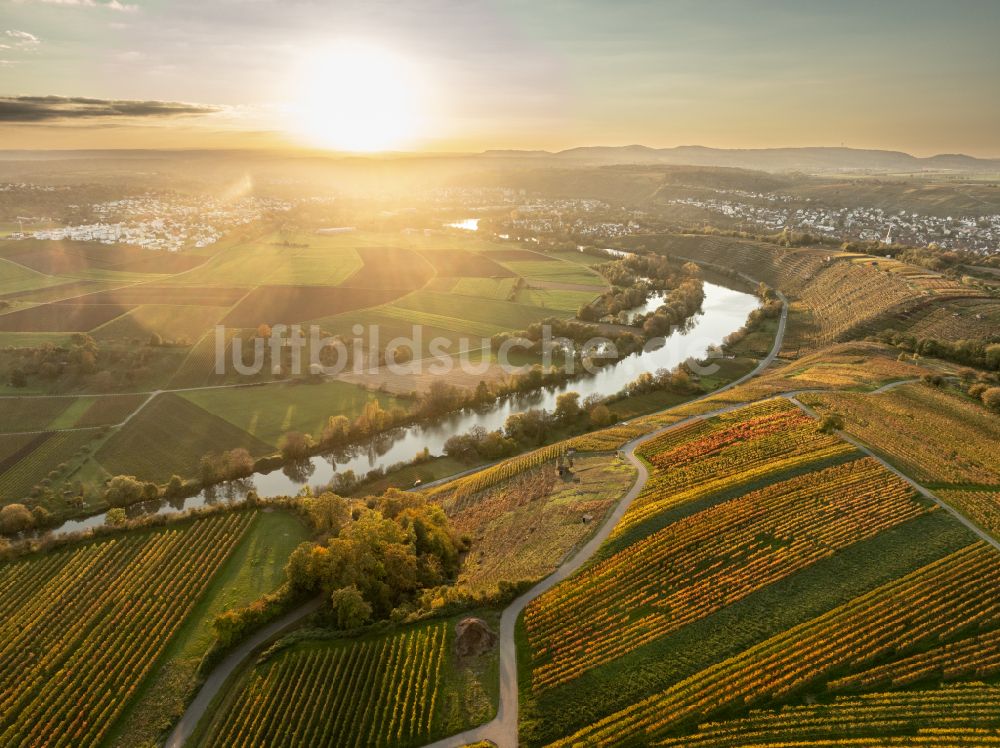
(529, 428)
(662, 380)
(633, 278)
(770, 309)
(681, 303)
(81, 361)
(50, 362)
(979, 353)
(375, 554)
(989, 395)
(231, 465)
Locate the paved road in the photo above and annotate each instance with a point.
(185, 727)
(502, 730)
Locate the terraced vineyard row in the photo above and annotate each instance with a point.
(706, 562)
(380, 692)
(499, 473)
(83, 627)
(967, 714)
(731, 450)
(978, 657)
(939, 602)
(933, 436)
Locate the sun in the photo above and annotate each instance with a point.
(356, 97)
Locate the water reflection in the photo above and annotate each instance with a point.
(724, 311)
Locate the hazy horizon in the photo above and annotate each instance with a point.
(442, 76)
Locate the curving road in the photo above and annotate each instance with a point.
(502, 729)
(214, 682)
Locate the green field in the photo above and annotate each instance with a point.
(268, 411)
(170, 436)
(32, 413)
(326, 261)
(255, 568)
(559, 301)
(502, 315)
(547, 270)
(170, 322)
(15, 277)
(483, 288)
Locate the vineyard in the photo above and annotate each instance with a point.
(937, 603)
(933, 436)
(83, 627)
(706, 562)
(170, 435)
(61, 446)
(982, 506)
(967, 714)
(730, 451)
(503, 471)
(377, 692)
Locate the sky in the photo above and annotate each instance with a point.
(470, 75)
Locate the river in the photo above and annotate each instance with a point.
(723, 311)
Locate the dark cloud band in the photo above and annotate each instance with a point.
(50, 108)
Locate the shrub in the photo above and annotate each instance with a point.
(16, 518)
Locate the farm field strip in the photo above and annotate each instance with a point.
(77, 650)
(380, 692)
(708, 561)
(934, 603)
(16, 482)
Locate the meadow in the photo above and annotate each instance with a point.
(524, 527)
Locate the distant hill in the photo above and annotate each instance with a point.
(765, 159)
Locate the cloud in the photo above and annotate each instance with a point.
(106, 4)
(25, 109)
(21, 39)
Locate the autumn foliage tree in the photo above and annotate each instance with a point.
(385, 550)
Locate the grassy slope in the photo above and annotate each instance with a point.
(522, 529)
(15, 277)
(566, 272)
(325, 262)
(168, 321)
